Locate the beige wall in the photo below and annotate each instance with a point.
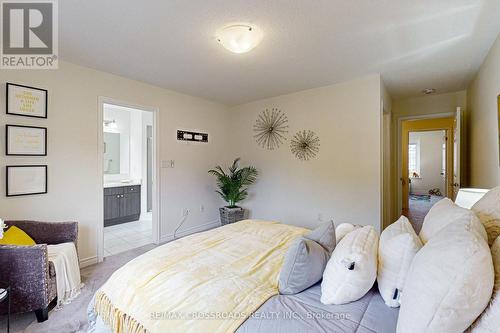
(343, 182)
(72, 123)
(484, 170)
(429, 104)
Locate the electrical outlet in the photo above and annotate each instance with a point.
(320, 217)
(185, 211)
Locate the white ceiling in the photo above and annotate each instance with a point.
(414, 44)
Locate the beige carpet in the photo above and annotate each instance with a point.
(417, 209)
(73, 317)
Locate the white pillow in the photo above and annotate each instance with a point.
(488, 211)
(449, 283)
(490, 319)
(398, 245)
(352, 269)
(443, 213)
(343, 229)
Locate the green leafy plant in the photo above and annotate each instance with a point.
(233, 185)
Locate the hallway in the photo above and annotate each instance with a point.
(418, 207)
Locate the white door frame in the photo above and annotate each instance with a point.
(100, 168)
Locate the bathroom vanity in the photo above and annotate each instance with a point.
(122, 203)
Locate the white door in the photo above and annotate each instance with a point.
(457, 130)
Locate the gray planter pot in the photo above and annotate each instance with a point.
(231, 215)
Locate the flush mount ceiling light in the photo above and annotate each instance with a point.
(429, 91)
(239, 38)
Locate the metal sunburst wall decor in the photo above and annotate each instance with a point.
(271, 128)
(305, 145)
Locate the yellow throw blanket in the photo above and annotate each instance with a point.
(207, 282)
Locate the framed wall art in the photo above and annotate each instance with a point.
(26, 180)
(26, 101)
(25, 140)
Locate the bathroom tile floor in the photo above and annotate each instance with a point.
(126, 236)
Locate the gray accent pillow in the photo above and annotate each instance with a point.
(303, 266)
(324, 235)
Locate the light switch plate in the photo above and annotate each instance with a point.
(167, 164)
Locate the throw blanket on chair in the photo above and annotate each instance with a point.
(67, 268)
(207, 282)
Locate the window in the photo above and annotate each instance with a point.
(443, 160)
(413, 160)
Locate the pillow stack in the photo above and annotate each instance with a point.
(306, 259)
(450, 280)
(343, 229)
(445, 212)
(490, 319)
(352, 270)
(398, 246)
(487, 210)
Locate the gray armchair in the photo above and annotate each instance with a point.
(27, 270)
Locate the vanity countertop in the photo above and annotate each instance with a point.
(121, 184)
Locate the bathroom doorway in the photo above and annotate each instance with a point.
(127, 158)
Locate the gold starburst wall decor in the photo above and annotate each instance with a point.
(305, 145)
(271, 128)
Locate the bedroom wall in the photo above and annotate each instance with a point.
(73, 180)
(482, 94)
(343, 182)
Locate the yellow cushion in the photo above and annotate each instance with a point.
(16, 236)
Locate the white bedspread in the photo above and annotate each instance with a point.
(65, 260)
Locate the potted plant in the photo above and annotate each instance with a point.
(233, 188)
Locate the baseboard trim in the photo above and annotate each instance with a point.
(88, 261)
(191, 230)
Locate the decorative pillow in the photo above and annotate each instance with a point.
(398, 245)
(343, 229)
(490, 319)
(16, 236)
(324, 235)
(304, 264)
(306, 259)
(449, 282)
(445, 212)
(352, 270)
(488, 211)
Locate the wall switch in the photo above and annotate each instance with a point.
(166, 164)
(202, 208)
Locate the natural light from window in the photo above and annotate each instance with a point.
(413, 161)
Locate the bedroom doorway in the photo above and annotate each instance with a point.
(427, 173)
(127, 158)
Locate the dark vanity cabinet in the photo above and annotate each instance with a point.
(122, 204)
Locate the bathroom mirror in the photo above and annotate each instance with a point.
(116, 153)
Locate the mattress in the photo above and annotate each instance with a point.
(304, 312)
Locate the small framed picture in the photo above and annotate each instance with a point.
(26, 101)
(26, 180)
(25, 140)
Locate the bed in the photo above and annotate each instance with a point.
(235, 291)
